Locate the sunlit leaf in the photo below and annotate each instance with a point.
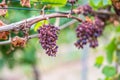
(55, 2)
(110, 50)
(99, 3)
(109, 2)
(99, 61)
(39, 24)
(91, 2)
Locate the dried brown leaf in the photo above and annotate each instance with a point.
(116, 4)
(4, 34)
(25, 3)
(18, 42)
(116, 23)
(3, 11)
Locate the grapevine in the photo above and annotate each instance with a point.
(48, 36)
(87, 31)
(48, 18)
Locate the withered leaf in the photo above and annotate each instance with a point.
(18, 42)
(25, 3)
(116, 4)
(1, 23)
(3, 11)
(4, 34)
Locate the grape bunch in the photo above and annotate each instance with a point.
(88, 32)
(72, 1)
(48, 36)
(85, 10)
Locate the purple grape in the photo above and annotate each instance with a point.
(88, 32)
(85, 10)
(48, 36)
(72, 1)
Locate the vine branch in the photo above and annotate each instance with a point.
(34, 20)
(35, 35)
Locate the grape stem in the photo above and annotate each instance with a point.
(34, 20)
(9, 41)
(36, 35)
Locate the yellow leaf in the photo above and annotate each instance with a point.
(39, 24)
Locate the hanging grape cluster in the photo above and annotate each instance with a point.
(48, 36)
(72, 1)
(85, 10)
(88, 32)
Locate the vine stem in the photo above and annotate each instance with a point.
(34, 20)
(9, 41)
(36, 35)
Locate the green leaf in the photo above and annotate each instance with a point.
(109, 2)
(39, 24)
(55, 2)
(91, 2)
(109, 71)
(99, 61)
(110, 50)
(99, 3)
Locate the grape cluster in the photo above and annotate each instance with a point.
(88, 32)
(85, 10)
(72, 1)
(48, 36)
